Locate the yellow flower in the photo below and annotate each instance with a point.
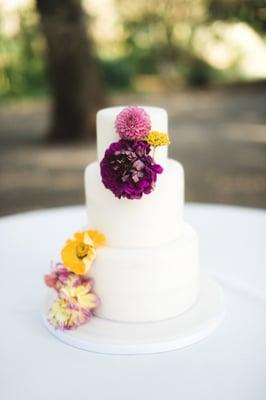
(60, 315)
(79, 294)
(98, 238)
(78, 253)
(74, 304)
(64, 315)
(156, 139)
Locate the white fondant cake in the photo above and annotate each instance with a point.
(150, 221)
(147, 284)
(149, 270)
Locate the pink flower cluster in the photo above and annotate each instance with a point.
(75, 302)
(58, 277)
(133, 123)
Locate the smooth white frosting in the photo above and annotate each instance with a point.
(147, 284)
(154, 219)
(106, 133)
(149, 270)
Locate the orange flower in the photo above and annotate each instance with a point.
(79, 253)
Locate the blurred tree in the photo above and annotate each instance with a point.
(72, 69)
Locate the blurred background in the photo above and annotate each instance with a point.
(202, 60)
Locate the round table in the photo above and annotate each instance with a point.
(230, 364)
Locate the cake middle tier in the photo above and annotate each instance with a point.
(154, 219)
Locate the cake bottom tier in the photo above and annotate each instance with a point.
(147, 284)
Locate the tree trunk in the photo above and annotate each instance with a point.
(77, 92)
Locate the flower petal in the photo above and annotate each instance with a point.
(98, 238)
(79, 236)
(70, 260)
(87, 261)
(87, 239)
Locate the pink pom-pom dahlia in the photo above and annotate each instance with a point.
(133, 123)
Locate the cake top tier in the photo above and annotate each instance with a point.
(106, 131)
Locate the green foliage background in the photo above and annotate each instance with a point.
(22, 70)
(22, 58)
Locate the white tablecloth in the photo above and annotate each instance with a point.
(228, 365)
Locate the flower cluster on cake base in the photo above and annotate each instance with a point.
(70, 280)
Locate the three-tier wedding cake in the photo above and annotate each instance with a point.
(149, 270)
(133, 273)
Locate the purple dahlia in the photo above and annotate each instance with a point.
(128, 170)
(133, 123)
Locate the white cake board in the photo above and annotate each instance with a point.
(110, 337)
